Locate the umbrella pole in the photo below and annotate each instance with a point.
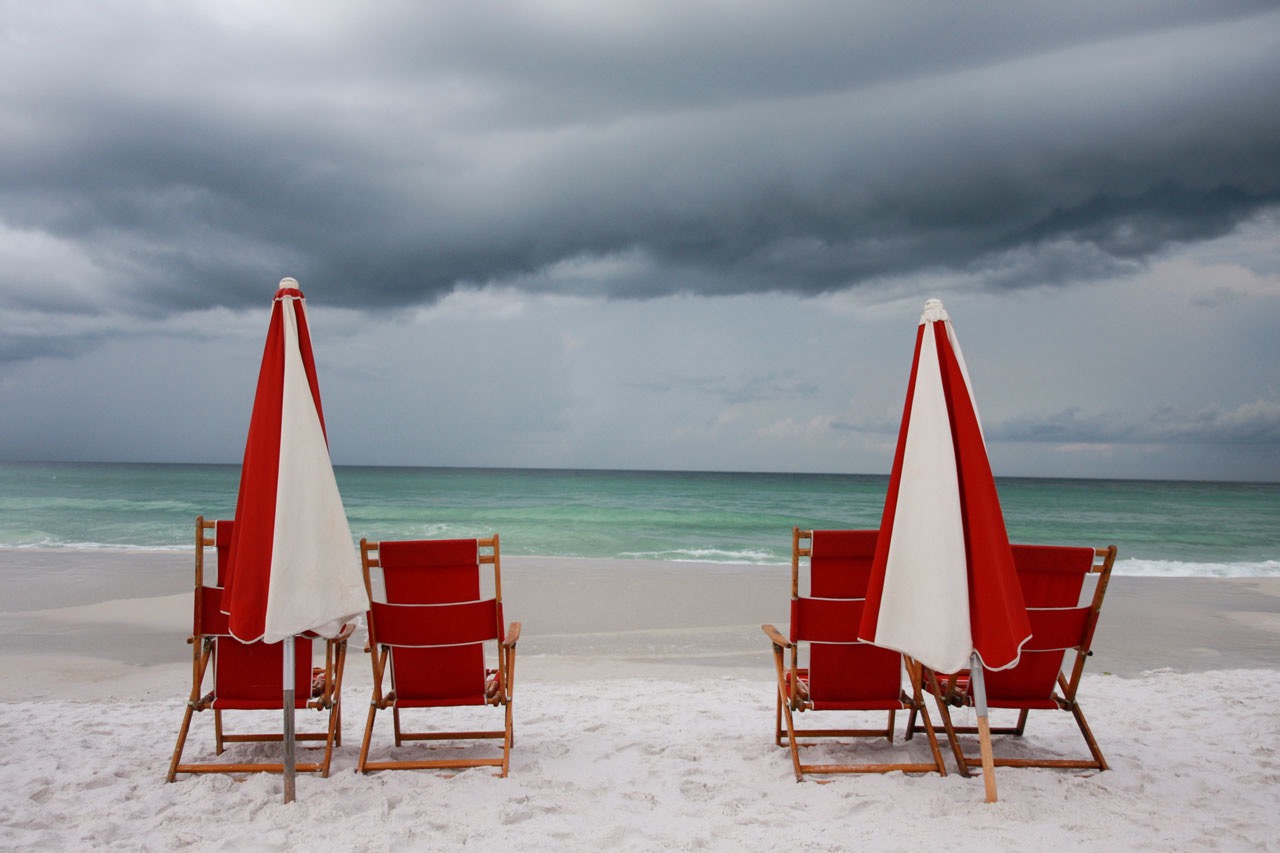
(290, 766)
(984, 727)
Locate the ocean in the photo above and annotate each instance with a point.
(1162, 528)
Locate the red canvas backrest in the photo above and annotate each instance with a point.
(825, 620)
(457, 624)
(430, 571)
(1052, 578)
(840, 562)
(1051, 575)
(843, 672)
(434, 620)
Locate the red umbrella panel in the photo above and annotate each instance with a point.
(293, 566)
(943, 584)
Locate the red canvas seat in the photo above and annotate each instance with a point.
(429, 621)
(842, 673)
(1063, 616)
(247, 676)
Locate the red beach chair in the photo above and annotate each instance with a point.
(246, 676)
(1053, 580)
(843, 673)
(428, 627)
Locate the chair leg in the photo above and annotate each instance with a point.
(510, 694)
(395, 717)
(791, 739)
(339, 669)
(181, 744)
(777, 720)
(219, 743)
(928, 680)
(933, 739)
(1088, 737)
(506, 743)
(916, 673)
(368, 735)
(335, 732)
(948, 726)
(889, 729)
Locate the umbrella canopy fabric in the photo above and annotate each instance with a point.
(943, 584)
(292, 566)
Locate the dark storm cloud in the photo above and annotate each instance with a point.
(179, 158)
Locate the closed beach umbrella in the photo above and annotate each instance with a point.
(292, 566)
(943, 587)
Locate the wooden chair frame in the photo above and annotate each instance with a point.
(499, 688)
(789, 701)
(953, 690)
(208, 631)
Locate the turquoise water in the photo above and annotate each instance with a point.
(1162, 528)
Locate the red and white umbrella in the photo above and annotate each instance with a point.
(943, 587)
(292, 567)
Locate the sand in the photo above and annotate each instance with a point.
(644, 710)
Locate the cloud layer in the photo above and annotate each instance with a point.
(162, 165)
(169, 155)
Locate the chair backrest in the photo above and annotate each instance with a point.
(844, 672)
(1052, 580)
(245, 675)
(434, 618)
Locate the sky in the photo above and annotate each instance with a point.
(687, 235)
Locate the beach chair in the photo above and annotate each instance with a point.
(247, 676)
(1053, 588)
(842, 673)
(429, 624)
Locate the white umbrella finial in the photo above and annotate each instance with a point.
(289, 281)
(933, 312)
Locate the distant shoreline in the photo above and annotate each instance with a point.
(641, 471)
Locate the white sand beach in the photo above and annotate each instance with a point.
(644, 714)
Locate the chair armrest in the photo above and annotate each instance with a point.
(513, 635)
(773, 634)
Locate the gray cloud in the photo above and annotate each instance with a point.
(1255, 423)
(628, 234)
(181, 157)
